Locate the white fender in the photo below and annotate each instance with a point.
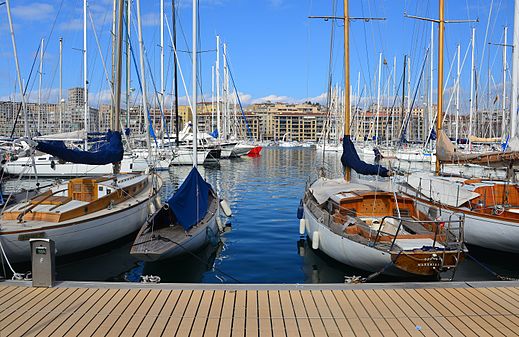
(302, 226)
(225, 208)
(315, 240)
(220, 224)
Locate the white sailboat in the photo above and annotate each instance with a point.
(85, 212)
(187, 221)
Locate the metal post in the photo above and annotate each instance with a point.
(441, 32)
(347, 170)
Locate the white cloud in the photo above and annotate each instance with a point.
(33, 12)
(273, 98)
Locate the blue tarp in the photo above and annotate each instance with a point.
(351, 159)
(111, 151)
(191, 200)
(214, 134)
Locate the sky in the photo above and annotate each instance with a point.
(276, 53)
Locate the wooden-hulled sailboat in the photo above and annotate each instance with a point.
(188, 220)
(490, 207)
(85, 212)
(370, 229)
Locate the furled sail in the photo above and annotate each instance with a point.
(447, 153)
(109, 151)
(351, 159)
(191, 201)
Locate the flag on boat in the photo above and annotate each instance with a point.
(351, 159)
(190, 202)
(109, 151)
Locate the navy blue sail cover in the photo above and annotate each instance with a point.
(191, 201)
(351, 159)
(109, 151)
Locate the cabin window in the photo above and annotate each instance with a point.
(42, 158)
(100, 188)
(108, 191)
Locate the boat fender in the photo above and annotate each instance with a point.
(225, 208)
(315, 240)
(300, 210)
(301, 247)
(220, 224)
(228, 227)
(302, 226)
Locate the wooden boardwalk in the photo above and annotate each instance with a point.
(173, 310)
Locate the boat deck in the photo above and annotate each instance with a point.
(99, 309)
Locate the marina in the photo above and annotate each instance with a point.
(154, 202)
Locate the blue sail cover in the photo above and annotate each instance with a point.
(351, 159)
(110, 151)
(191, 201)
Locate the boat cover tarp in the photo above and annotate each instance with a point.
(351, 159)
(73, 135)
(191, 201)
(111, 151)
(447, 153)
(445, 190)
(322, 189)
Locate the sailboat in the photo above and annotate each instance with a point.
(490, 207)
(373, 229)
(86, 212)
(187, 221)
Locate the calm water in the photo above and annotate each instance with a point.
(262, 247)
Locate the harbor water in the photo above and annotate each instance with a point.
(264, 245)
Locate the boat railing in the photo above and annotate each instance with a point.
(447, 227)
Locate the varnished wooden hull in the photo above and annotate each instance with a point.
(424, 263)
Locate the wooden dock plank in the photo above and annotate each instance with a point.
(54, 319)
(165, 313)
(240, 313)
(139, 316)
(214, 314)
(265, 322)
(251, 320)
(303, 323)
(33, 315)
(203, 313)
(178, 313)
(289, 316)
(428, 311)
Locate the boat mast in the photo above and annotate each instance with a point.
(39, 86)
(458, 95)
(60, 83)
(193, 102)
(128, 61)
(177, 119)
(472, 74)
(143, 78)
(85, 72)
(347, 170)
(378, 97)
(226, 113)
(431, 85)
(118, 75)
(162, 126)
(439, 119)
(503, 121)
(515, 70)
(218, 118)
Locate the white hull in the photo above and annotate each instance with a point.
(82, 233)
(416, 157)
(241, 150)
(46, 168)
(496, 234)
(183, 156)
(347, 251)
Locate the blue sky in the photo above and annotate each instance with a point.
(276, 53)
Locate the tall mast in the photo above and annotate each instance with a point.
(226, 114)
(143, 77)
(472, 74)
(39, 86)
(218, 118)
(431, 84)
(177, 119)
(458, 95)
(347, 170)
(162, 126)
(114, 41)
(118, 68)
(193, 101)
(378, 97)
(439, 119)
(128, 60)
(503, 120)
(212, 98)
(515, 70)
(85, 71)
(60, 84)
